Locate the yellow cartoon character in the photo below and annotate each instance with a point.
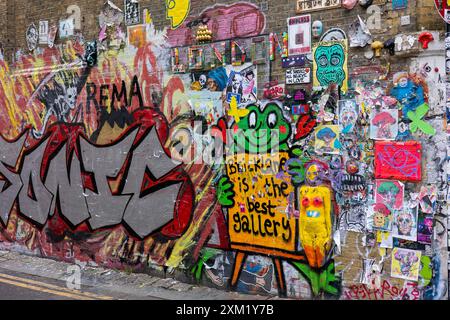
(177, 11)
(315, 223)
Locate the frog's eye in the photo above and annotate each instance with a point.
(272, 120)
(252, 120)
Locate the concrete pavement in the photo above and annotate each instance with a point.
(34, 278)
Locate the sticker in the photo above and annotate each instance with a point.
(298, 75)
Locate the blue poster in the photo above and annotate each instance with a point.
(399, 4)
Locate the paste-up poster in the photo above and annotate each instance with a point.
(43, 32)
(52, 36)
(390, 193)
(234, 87)
(32, 37)
(405, 264)
(299, 35)
(382, 217)
(384, 125)
(428, 198)
(348, 115)
(137, 35)
(327, 139)
(132, 14)
(330, 64)
(66, 28)
(385, 239)
(207, 104)
(298, 75)
(424, 228)
(242, 83)
(405, 224)
(398, 160)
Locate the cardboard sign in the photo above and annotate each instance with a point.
(298, 75)
(259, 219)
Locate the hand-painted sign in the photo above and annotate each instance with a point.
(258, 219)
(314, 5)
(298, 75)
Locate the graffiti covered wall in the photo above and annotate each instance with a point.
(185, 137)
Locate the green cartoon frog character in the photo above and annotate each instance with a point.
(266, 130)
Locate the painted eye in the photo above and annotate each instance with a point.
(272, 120)
(335, 61)
(305, 202)
(317, 202)
(252, 120)
(323, 61)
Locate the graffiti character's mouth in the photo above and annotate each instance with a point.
(312, 213)
(262, 141)
(352, 182)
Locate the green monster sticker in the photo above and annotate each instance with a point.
(330, 64)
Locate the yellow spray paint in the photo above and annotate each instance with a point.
(315, 223)
(177, 11)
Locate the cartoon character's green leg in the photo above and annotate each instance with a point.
(321, 279)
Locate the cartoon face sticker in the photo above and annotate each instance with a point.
(261, 129)
(405, 222)
(202, 80)
(327, 139)
(348, 115)
(312, 173)
(329, 61)
(381, 217)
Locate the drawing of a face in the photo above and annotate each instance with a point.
(202, 80)
(177, 11)
(388, 191)
(312, 173)
(327, 136)
(405, 223)
(260, 128)
(380, 216)
(348, 116)
(330, 64)
(212, 85)
(236, 81)
(379, 219)
(317, 28)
